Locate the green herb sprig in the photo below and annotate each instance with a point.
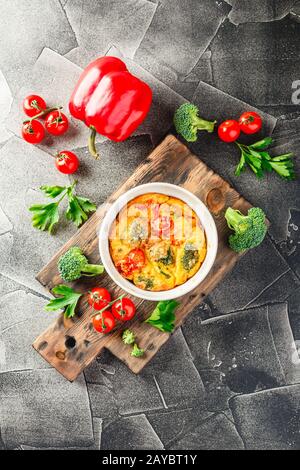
(67, 301)
(260, 161)
(163, 316)
(46, 216)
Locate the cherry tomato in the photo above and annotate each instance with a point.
(250, 122)
(56, 123)
(104, 322)
(33, 105)
(136, 258)
(123, 309)
(66, 162)
(33, 132)
(229, 131)
(99, 298)
(133, 261)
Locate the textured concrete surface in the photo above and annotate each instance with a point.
(273, 415)
(31, 29)
(245, 50)
(259, 11)
(229, 378)
(99, 25)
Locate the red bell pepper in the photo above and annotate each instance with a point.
(110, 100)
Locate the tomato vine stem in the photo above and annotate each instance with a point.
(108, 305)
(43, 113)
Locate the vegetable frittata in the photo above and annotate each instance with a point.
(157, 242)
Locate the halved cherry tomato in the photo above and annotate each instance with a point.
(133, 261)
(66, 162)
(123, 309)
(33, 105)
(99, 298)
(124, 268)
(33, 132)
(104, 322)
(229, 131)
(250, 122)
(56, 123)
(136, 258)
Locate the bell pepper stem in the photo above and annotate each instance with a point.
(92, 144)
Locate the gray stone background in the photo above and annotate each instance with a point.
(230, 378)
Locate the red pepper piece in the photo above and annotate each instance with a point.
(110, 100)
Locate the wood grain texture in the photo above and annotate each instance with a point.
(70, 345)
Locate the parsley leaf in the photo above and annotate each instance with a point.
(260, 161)
(262, 144)
(78, 208)
(75, 212)
(241, 166)
(163, 316)
(45, 216)
(52, 191)
(68, 300)
(283, 165)
(86, 204)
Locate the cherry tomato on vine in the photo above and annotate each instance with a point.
(33, 105)
(99, 298)
(56, 123)
(250, 122)
(124, 309)
(104, 322)
(33, 132)
(66, 162)
(229, 131)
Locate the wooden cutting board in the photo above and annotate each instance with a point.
(70, 345)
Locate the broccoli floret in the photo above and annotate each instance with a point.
(250, 230)
(168, 259)
(73, 264)
(190, 256)
(136, 351)
(128, 337)
(148, 283)
(188, 123)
